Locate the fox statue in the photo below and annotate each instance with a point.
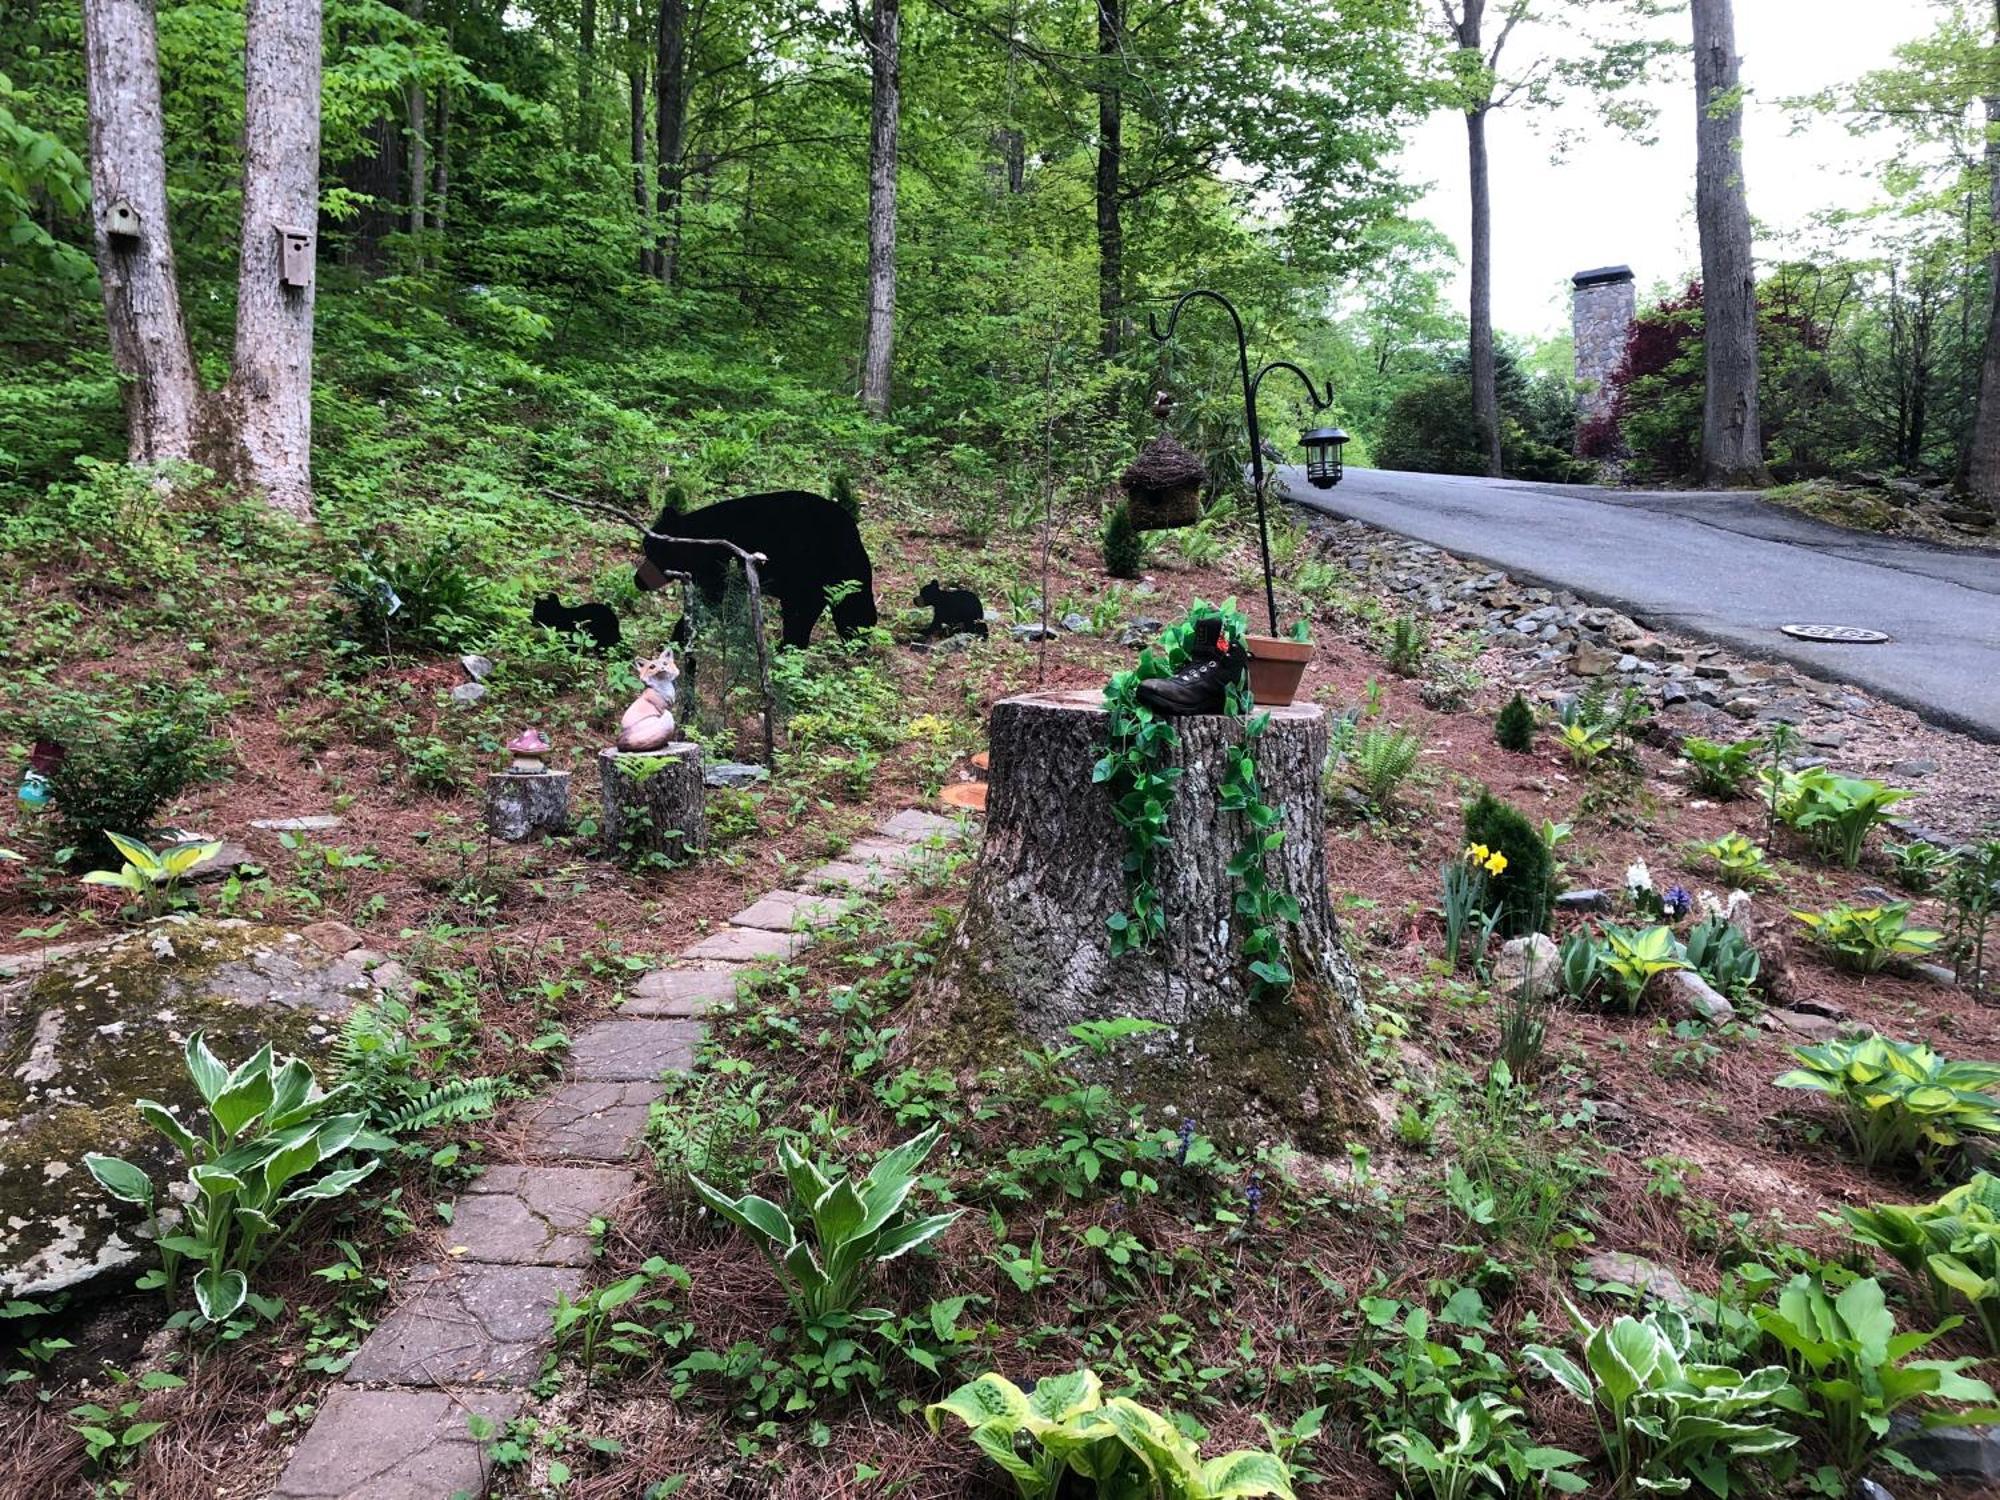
(649, 723)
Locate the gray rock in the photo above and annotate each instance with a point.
(478, 668)
(1076, 624)
(1936, 974)
(1585, 898)
(1592, 661)
(1952, 1452)
(1873, 894)
(1868, 1489)
(1690, 997)
(732, 774)
(225, 862)
(1913, 768)
(311, 823)
(1672, 692)
(468, 693)
(1032, 631)
(1813, 1028)
(1639, 1273)
(955, 645)
(1527, 965)
(90, 1033)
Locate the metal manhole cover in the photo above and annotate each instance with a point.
(1838, 635)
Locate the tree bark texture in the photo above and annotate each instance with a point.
(1033, 953)
(1110, 155)
(268, 403)
(420, 158)
(142, 309)
(653, 802)
(642, 185)
(1732, 445)
(1982, 454)
(519, 805)
(1485, 377)
(670, 133)
(883, 36)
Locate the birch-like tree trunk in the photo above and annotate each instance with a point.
(268, 402)
(1732, 444)
(642, 183)
(883, 36)
(142, 309)
(1485, 377)
(1982, 454)
(670, 133)
(1110, 153)
(414, 113)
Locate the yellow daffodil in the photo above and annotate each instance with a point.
(1495, 863)
(1477, 853)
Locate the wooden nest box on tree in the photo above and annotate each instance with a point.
(1163, 485)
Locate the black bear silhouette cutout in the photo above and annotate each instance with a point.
(953, 611)
(598, 621)
(811, 543)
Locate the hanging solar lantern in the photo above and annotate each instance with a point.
(1323, 466)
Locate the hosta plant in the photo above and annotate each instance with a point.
(1584, 743)
(1580, 965)
(1952, 1246)
(1899, 1098)
(1835, 812)
(151, 878)
(1632, 960)
(1719, 770)
(1719, 951)
(1668, 1423)
(1126, 1451)
(1920, 867)
(838, 1227)
(1475, 1455)
(1858, 1372)
(1736, 857)
(250, 1170)
(1867, 939)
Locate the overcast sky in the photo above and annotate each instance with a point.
(1611, 201)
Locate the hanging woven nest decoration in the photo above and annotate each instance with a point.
(1163, 486)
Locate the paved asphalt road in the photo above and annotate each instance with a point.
(1727, 567)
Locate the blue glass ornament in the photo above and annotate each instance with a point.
(34, 791)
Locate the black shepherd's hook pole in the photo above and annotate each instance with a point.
(1250, 385)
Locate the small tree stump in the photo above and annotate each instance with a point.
(653, 802)
(522, 804)
(1033, 952)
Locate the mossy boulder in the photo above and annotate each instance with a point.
(85, 1036)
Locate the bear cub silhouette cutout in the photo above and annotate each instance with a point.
(597, 621)
(811, 543)
(953, 611)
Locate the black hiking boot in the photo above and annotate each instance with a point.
(1202, 686)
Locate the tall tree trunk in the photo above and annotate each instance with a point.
(420, 162)
(670, 79)
(128, 168)
(1981, 475)
(1732, 444)
(883, 36)
(269, 398)
(1485, 379)
(1110, 151)
(441, 160)
(642, 186)
(586, 60)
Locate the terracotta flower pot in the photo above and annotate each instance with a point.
(1276, 666)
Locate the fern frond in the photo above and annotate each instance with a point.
(452, 1101)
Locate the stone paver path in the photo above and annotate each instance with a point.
(466, 1334)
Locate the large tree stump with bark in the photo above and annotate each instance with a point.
(1033, 956)
(653, 802)
(522, 804)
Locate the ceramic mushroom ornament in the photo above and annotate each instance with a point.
(528, 747)
(649, 723)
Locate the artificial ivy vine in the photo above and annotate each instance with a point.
(1142, 792)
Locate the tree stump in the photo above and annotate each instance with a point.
(522, 804)
(653, 802)
(1033, 951)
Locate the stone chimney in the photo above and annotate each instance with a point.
(1602, 307)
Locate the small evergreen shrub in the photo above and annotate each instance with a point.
(1521, 891)
(1429, 428)
(1515, 728)
(1124, 551)
(120, 769)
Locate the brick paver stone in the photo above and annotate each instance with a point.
(588, 1121)
(786, 911)
(850, 877)
(748, 945)
(680, 992)
(916, 826)
(394, 1445)
(465, 1325)
(631, 1051)
(535, 1216)
(894, 853)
